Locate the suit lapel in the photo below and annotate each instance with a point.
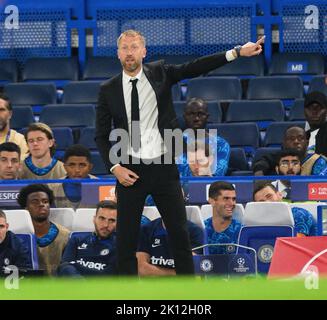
(120, 100)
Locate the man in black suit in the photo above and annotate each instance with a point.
(139, 101)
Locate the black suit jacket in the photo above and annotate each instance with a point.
(111, 105)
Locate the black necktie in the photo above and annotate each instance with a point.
(135, 128)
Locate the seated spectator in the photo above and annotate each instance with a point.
(10, 165)
(12, 250)
(289, 164)
(294, 138)
(303, 221)
(154, 255)
(7, 134)
(78, 165)
(199, 160)
(196, 116)
(315, 112)
(51, 237)
(222, 227)
(41, 164)
(94, 254)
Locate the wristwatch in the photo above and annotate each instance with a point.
(238, 50)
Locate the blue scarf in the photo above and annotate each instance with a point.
(49, 237)
(39, 171)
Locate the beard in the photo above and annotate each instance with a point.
(40, 218)
(3, 124)
(130, 67)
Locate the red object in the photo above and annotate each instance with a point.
(317, 191)
(291, 255)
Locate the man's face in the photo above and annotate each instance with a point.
(77, 167)
(9, 165)
(5, 114)
(315, 114)
(38, 144)
(131, 52)
(196, 116)
(38, 206)
(289, 166)
(3, 229)
(224, 203)
(199, 163)
(105, 222)
(267, 194)
(295, 138)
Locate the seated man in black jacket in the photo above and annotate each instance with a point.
(12, 250)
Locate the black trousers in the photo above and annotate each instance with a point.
(162, 182)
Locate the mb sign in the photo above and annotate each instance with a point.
(297, 67)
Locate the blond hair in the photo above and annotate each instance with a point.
(132, 33)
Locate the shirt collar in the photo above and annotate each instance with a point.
(127, 78)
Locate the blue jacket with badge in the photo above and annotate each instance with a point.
(89, 256)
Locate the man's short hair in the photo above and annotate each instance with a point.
(315, 97)
(289, 152)
(3, 215)
(131, 33)
(106, 204)
(6, 98)
(10, 147)
(218, 186)
(198, 102)
(261, 184)
(32, 188)
(77, 150)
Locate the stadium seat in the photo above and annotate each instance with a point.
(261, 112)
(297, 111)
(275, 132)
(101, 68)
(286, 88)
(214, 110)
(304, 65)
(57, 70)
(81, 92)
(260, 152)
(34, 94)
(237, 161)
(8, 71)
(64, 138)
(99, 168)
(87, 138)
(83, 220)
(193, 214)
(68, 116)
(62, 216)
(248, 137)
(176, 92)
(214, 88)
(263, 222)
(151, 212)
(22, 117)
(312, 207)
(318, 83)
(238, 212)
(243, 67)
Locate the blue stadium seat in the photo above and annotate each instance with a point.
(263, 222)
(81, 92)
(260, 152)
(318, 83)
(286, 88)
(261, 112)
(34, 94)
(245, 135)
(101, 68)
(68, 116)
(243, 67)
(64, 139)
(304, 65)
(99, 168)
(297, 111)
(87, 138)
(215, 88)
(57, 70)
(275, 132)
(8, 71)
(214, 110)
(22, 116)
(238, 164)
(176, 92)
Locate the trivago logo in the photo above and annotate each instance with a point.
(317, 191)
